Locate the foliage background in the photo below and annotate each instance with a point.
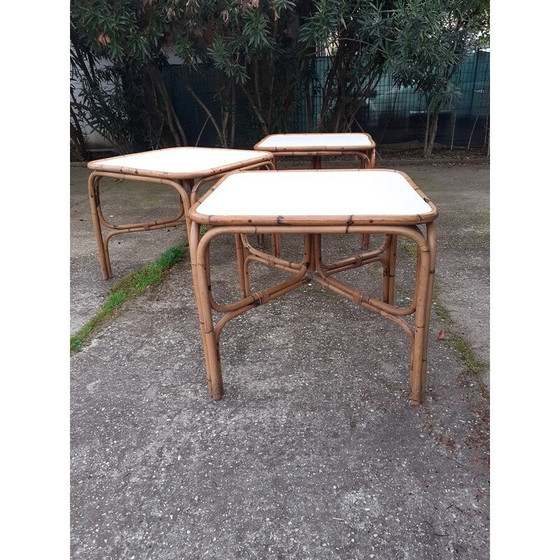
(261, 59)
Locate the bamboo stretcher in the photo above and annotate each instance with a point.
(282, 202)
(182, 169)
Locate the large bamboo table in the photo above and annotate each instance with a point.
(309, 202)
(182, 169)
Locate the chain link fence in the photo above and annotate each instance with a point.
(393, 115)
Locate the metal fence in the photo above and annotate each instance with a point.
(392, 115)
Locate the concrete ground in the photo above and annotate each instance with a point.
(314, 452)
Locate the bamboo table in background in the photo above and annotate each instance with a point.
(315, 203)
(315, 145)
(182, 169)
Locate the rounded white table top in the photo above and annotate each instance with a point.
(180, 163)
(362, 196)
(316, 142)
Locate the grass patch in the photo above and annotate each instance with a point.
(474, 368)
(410, 247)
(127, 287)
(460, 344)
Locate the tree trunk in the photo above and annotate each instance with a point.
(233, 116)
(172, 122)
(431, 131)
(258, 114)
(453, 124)
(328, 92)
(204, 107)
(472, 132)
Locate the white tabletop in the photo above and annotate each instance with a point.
(335, 193)
(325, 141)
(182, 162)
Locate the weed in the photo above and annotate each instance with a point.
(130, 285)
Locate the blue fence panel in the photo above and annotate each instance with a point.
(392, 115)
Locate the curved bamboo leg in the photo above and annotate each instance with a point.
(425, 282)
(200, 274)
(102, 251)
(365, 163)
(106, 252)
(431, 235)
(194, 237)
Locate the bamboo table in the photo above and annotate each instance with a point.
(315, 145)
(182, 169)
(358, 144)
(309, 202)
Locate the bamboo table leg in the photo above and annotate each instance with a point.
(102, 252)
(418, 376)
(389, 265)
(367, 162)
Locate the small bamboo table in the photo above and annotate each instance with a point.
(358, 144)
(315, 145)
(308, 202)
(183, 169)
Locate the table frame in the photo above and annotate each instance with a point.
(312, 267)
(185, 184)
